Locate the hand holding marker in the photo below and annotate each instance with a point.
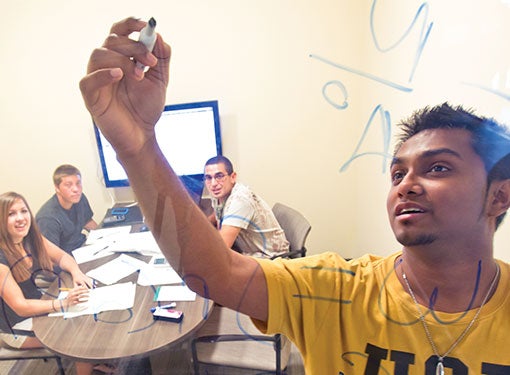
(148, 38)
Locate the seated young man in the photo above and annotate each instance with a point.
(245, 221)
(67, 213)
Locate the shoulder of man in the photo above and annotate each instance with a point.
(241, 194)
(84, 204)
(241, 190)
(48, 208)
(84, 200)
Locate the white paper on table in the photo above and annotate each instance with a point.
(87, 253)
(116, 269)
(175, 293)
(142, 242)
(105, 298)
(107, 234)
(150, 275)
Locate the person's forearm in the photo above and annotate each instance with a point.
(67, 263)
(175, 221)
(192, 246)
(126, 103)
(91, 225)
(33, 307)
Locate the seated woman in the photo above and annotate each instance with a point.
(23, 253)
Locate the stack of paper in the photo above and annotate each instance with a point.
(91, 252)
(106, 298)
(106, 241)
(116, 269)
(174, 293)
(100, 243)
(151, 275)
(107, 234)
(141, 242)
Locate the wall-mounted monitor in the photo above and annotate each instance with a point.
(188, 135)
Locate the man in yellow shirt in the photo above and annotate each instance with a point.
(441, 302)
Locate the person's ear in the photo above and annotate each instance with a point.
(499, 197)
(233, 176)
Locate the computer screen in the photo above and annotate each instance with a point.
(188, 135)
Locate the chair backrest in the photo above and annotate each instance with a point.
(230, 339)
(295, 226)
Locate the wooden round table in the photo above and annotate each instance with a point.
(111, 335)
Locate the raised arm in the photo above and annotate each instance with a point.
(126, 103)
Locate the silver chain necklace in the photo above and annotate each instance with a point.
(440, 358)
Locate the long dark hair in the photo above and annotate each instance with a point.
(33, 241)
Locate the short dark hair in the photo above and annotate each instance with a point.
(63, 171)
(490, 140)
(221, 159)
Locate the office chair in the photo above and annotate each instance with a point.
(296, 228)
(11, 354)
(229, 338)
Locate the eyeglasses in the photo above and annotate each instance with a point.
(219, 177)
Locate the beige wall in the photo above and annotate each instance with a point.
(285, 139)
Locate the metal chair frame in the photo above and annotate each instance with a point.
(296, 228)
(12, 354)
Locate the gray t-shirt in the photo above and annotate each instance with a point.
(64, 227)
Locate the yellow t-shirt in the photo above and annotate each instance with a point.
(356, 318)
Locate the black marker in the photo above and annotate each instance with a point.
(148, 38)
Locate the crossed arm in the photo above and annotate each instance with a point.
(229, 233)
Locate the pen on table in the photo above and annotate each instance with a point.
(64, 289)
(169, 306)
(98, 251)
(148, 38)
(94, 287)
